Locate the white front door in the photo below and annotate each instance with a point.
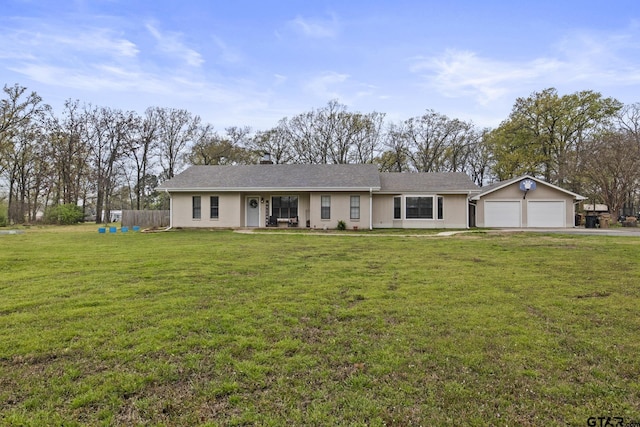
(253, 212)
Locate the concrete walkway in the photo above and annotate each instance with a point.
(630, 232)
(11, 231)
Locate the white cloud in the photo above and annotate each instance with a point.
(316, 28)
(580, 60)
(95, 78)
(323, 86)
(170, 43)
(279, 79)
(44, 41)
(227, 54)
(606, 58)
(463, 73)
(98, 41)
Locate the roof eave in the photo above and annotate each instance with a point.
(428, 191)
(267, 189)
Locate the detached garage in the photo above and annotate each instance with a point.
(525, 202)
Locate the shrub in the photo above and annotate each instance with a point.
(63, 214)
(342, 225)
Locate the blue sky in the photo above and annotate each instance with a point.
(252, 63)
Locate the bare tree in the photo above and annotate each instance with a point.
(334, 135)
(108, 131)
(142, 142)
(628, 120)
(301, 131)
(177, 132)
(435, 143)
(479, 159)
(210, 148)
(612, 168)
(275, 142)
(21, 120)
(23, 160)
(396, 156)
(69, 151)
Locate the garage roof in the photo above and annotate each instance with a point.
(498, 185)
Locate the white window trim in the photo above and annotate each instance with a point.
(218, 217)
(393, 208)
(329, 196)
(359, 208)
(193, 210)
(434, 199)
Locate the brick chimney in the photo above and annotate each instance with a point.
(266, 159)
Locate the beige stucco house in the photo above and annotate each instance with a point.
(525, 202)
(317, 196)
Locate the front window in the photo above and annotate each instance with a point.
(284, 206)
(214, 207)
(355, 207)
(195, 207)
(397, 207)
(325, 207)
(419, 207)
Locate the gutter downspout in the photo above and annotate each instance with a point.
(370, 208)
(467, 210)
(170, 211)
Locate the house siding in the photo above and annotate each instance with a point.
(454, 212)
(340, 210)
(229, 206)
(233, 185)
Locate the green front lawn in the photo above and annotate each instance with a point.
(220, 328)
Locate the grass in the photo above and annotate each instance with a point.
(219, 328)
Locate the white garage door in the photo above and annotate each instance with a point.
(501, 214)
(546, 214)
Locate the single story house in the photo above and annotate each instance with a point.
(525, 202)
(317, 196)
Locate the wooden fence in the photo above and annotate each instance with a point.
(145, 219)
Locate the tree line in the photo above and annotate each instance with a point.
(101, 158)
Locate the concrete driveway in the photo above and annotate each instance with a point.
(627, 231)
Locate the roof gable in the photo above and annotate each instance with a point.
(502, 184)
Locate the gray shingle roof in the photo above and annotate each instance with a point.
(315, 177)
(501, 184)
(431, 182)
(262, 177)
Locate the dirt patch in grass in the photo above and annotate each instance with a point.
(595, 294)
